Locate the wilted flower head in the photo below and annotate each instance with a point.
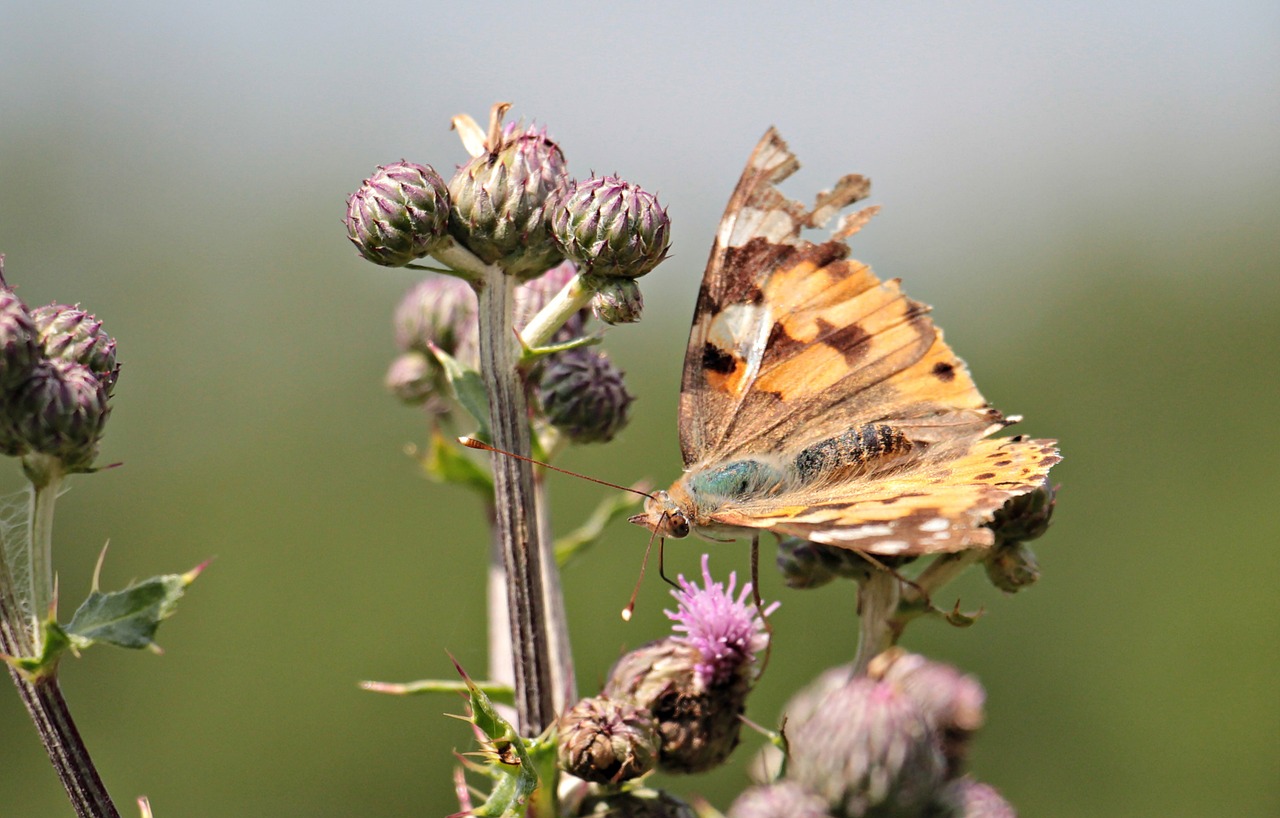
(399, 214)
(728, 632)
(502, 197)
(864, 746)
(612, 228)
(807, 564)
(607, 741)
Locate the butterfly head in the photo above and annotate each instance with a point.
(663, 516)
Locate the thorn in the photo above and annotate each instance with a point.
(97, 569)
(191, 575)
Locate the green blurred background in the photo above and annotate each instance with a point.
(1086, 193)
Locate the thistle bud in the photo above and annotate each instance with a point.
(502, 200)
(617, 301)
(583, 395)
(60, 410)
(439, 311)
(782, 799)
(966, 798)
(413, 378)
(639, 802)
(73, 335)
(952, 701)
(1012, 566)
(19, 341)
(864, 746)
(612, 228)
(807, 564)
(399, 214)
(607, 741)
(1025, 517)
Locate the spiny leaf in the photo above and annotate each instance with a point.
(129, 618)
(468, 388)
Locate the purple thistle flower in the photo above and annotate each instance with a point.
(727, 632)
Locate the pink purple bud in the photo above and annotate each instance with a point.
(782, 799)
(612, 228)
(60, 411)
(583, 395)
(19, 342)
(399, 214)
(439, 311)
(71, 334)
(952, 701)
(501, 202)
(966, 798)
(864, 746)
(617, 301)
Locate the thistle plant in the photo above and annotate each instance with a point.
(527, 270)
(58, 371)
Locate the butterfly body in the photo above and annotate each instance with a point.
(821, 402)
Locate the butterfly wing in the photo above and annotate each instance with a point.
(936, 504)
(794, 343)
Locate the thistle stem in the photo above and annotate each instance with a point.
(572, 297)
(46, 482)
(61, 739)
(878, 598)
(514, 504)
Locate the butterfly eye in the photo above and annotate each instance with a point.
(677, 526)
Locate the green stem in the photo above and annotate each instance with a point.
(514, 503)
(574, 296)
(46, 483)
(878, 598)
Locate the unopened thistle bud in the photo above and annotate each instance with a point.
(1012, 566)
(413, 378)
(607, 741)
(583, 395)
(19, 341)
(502, 200)
(400, 214)
(612, 228)
(864, 746)
(617, 301)
(782, 799)
(73, 335)
(807, 564)
(636, 802)
(60, 411)
(966, 798)
(696, 684)
(439, 311)
(1025, 517)
(952, 701)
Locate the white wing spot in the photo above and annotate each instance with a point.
(936, 524)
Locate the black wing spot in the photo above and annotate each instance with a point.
(716, 359)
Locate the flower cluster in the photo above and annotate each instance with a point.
(57, 372)
(695, 682)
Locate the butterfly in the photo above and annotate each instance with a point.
(822, 403)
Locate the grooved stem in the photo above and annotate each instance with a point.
(514, 504)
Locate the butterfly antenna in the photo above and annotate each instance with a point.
(472, 443)
(644, 563)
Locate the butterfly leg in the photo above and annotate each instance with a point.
(755, 594)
